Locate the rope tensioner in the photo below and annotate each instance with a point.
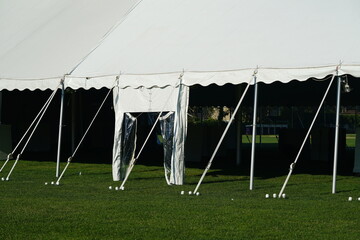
(292, 166)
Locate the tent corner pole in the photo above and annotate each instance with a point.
(60, 129)
(253, 141)
(336, 134)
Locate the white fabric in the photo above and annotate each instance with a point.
(225, 41)
(153, 100)
(119, 116)
(42, 40)
(148, 100)
(220, 41)
(180, 132)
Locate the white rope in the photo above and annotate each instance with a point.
(87, 130)
(36, 125)
(223, 135)
(12, 168)
(106, 35)
(7, 160)
(292, 165)
(133, 161)
(102, 104)
(37, 119)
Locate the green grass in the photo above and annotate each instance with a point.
(262, 138)
(83, 207)
(350, 139)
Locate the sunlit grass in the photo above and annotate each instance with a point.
(350, 139)
(83, 207)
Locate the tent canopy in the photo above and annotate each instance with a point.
(43, 40)
(152, 42)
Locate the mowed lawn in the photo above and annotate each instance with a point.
(83, 207)
(350, 139)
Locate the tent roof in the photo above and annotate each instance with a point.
(42, 40)
(207, 41)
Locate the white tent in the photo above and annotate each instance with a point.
(224, 41)
(41, 41)
(152, 43)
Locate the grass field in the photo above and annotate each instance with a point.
(83, 207)
(350, 139)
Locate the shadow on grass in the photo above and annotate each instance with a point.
(269, 162)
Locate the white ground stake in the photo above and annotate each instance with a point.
(292, 165)
(223, 136)
(62, 173)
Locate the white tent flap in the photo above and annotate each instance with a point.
(153, 100)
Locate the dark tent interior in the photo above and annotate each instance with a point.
(292, 105)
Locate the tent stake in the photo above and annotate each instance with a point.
(60, 128)
(336, 135)
(253, 142)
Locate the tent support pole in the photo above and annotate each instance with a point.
(292, 165)
(60, 129)
(253, 141)
(223, 136)
(336, 135)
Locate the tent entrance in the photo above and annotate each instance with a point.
(154, 134)
(153, 149)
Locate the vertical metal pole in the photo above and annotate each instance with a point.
(336, 135)
(253, 137)
(60, 129)
(221, 139)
